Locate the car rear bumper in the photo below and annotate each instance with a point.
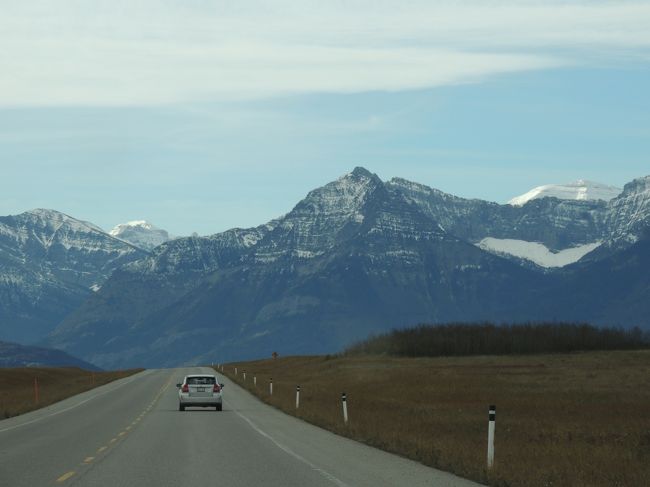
(199, 401)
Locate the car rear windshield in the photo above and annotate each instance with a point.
(200, 381)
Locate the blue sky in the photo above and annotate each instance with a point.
(208, 116)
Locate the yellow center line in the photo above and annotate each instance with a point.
(88, 460)
(65, 476)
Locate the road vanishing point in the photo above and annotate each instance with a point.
(130, 433)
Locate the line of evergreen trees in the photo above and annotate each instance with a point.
(490, 339)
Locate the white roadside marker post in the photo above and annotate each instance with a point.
(255, 380)
(344, 400)
(297, 397)
(271, 386)
(244, 376)
(492, 413)
(235, 370)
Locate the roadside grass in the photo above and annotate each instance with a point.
(579, 419)
(17, 394)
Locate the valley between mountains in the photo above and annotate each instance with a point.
(354, 257)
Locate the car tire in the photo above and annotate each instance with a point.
(181, 407)
(218, 407)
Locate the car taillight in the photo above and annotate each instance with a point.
(185, 388)
(216, 388)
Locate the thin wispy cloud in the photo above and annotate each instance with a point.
(102, 53)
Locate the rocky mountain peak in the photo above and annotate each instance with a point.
(48, 229)
(43, 217)
(321, 219)
(358, 177)
(362, 172)
(141, 233)
(628, 215)
(344, 195)
(46, 213)
(638, 185)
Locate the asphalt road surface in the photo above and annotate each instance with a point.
(130, 433)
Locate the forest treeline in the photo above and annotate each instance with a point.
(490, 339)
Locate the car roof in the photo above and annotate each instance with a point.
(200, 375)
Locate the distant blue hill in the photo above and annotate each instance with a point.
(16, 355)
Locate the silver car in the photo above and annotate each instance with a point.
(200, 390)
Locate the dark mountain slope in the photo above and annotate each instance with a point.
(612, 291)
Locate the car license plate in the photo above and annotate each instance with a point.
(201, 389)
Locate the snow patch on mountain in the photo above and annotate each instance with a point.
(536, 252)
(140, 233)
(577, 190)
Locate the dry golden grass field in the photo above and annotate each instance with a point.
(578, 419)
(54, 384)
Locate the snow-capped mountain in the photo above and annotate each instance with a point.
(360, 255)
(577, 190)
(141, 233)
(49, 262)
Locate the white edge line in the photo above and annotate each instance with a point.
(131, 379)
(287, 450)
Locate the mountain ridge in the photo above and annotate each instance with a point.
(355, 256)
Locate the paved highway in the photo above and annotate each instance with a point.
(130, 433)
